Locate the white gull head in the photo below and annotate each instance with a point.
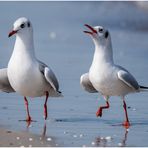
(21, 26)
(102, 40)
(99, 35)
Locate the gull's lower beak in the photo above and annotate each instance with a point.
(12, 33)
(92, 30)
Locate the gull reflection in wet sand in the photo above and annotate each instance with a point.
(43, 137)
(125, 138)
(101, 141)
(110, 141)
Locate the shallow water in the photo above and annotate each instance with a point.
(60, 43)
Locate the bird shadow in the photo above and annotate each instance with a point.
(113, 123)
(79, 119)
(76, 120)
(90, 120)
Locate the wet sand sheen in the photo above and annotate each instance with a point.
(23, 139)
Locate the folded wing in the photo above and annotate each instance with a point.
(128, 79)
(49, 76)
(4, 82)
(86, 84)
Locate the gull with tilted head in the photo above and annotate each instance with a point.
(106, 77)
(25, 73)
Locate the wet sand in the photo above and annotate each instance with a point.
(9, 138)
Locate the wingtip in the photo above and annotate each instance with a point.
(143, 87)
(59, 92)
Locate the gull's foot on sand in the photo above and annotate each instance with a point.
(99, 112)
(126, 124)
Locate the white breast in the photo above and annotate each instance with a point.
(106, 81)
(25, 78)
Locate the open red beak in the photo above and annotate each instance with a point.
(12, 33)
(92, 30)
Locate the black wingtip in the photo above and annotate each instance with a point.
(59, 92)
(143, 87)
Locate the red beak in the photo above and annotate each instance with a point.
(92, 30)
(12, 33)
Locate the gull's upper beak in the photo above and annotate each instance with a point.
(12, 33)
(92, 30)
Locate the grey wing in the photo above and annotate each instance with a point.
(86, 84)
(49, 75)
(128, 79)
(4, 82)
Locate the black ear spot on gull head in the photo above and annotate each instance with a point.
(28, 24)
(106, 34)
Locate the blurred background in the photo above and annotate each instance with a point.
(61, 44)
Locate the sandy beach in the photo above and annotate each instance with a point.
(9, 138)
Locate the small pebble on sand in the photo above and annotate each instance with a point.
(108, 138)
(18, 138)
(30, 139)
(93, 143)
(49, 139)
(81, 135)
(102, 138)
(9, 131)
(127, 129)
(119, 144)
(134, 109)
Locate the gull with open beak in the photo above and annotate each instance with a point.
(104, 75)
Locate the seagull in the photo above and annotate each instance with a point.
(104, 75)
(25, 74)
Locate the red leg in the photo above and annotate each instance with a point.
(45, 105)
(126, 123)
(99, 112)
(28, 115)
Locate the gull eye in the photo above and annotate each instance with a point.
(100, 29)
(22, 25)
